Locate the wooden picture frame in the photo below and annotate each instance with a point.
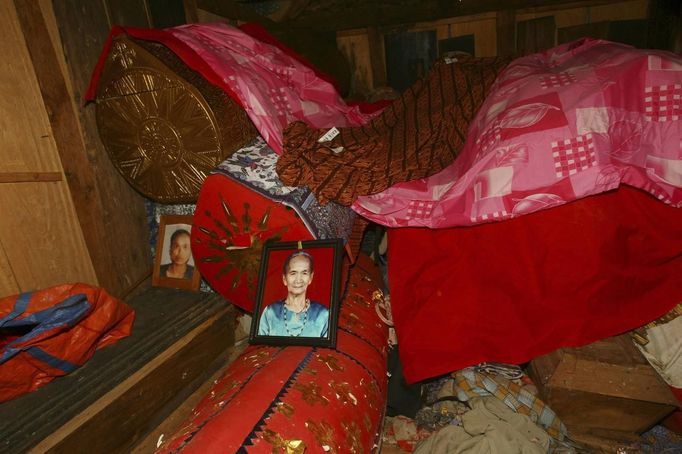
(175, 229)
(292, 307)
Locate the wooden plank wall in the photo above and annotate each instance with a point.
(531, 22)
(66, 213)
(41, 243)
(112, 214)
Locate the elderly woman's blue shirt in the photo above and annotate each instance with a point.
(313, 323)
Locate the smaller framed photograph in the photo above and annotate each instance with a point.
(174, 265)
(298, 297)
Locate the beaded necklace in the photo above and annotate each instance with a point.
(305, 318)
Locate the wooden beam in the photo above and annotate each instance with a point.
(296, 7)
(377, 57)
(368, 14)
(506, 32)
(133, 13)
(191, 15)
(29, 177)
(230, 9)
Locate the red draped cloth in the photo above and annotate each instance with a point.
(517, 289)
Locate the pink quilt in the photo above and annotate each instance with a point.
(274, 88)
(576, 120)
(274, 85)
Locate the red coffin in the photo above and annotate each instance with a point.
(317, 399)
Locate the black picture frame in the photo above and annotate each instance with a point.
(272, 329)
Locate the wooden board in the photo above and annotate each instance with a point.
(598, 414)
(111, 213)
(485, 33)
(27, 143)
(535, 35)
(586, 13)
(483, 27)
(173, 422)
(635, 9)
(8, 282)
(598, 30)
(355, 47)
(385, 14)
(506, 32)
(133, 13)
(127, 389)
(377, 55)
(604, 386)
(40, 236)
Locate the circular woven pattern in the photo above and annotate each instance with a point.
(165, 128)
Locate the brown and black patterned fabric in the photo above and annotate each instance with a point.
(418, 135)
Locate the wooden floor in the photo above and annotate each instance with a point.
(177, 417)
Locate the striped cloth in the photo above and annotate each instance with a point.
(419, 134)
(469, 383)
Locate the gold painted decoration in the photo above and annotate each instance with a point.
(331, 361)
(258, 358)
(280, 445)
(360, 300)
(225, 389)
(371, 392)
(311, 393)
(343, 392)
(164, 127)
(286, 409)
(122, 54)
(238, 246)
(324, 435)
(295, 446)
(367, 422)
(353, 438)
(350, 320)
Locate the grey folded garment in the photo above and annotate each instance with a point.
(490, 427)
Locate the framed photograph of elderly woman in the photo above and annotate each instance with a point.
(298, 293)
(174, 264)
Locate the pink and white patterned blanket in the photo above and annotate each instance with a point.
(576, 120)
(273, 88)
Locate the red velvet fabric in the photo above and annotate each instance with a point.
(513, 290)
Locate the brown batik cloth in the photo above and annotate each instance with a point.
(418, 135)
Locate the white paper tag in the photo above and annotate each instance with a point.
(337, 150)
(329, 135)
